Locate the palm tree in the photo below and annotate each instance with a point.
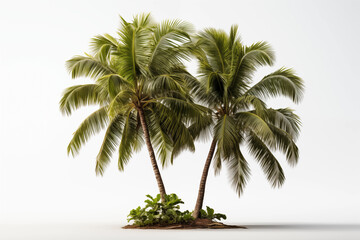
(142, 89)
(239, 113)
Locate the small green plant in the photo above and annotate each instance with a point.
(156, 212)
(209, 214)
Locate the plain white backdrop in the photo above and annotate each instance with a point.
(39, 183)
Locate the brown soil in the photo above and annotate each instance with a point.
(198, 223)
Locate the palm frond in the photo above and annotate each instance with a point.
(168, 45)
(110, 143)
(245, 62)
(283, 82)
(89, 127)
(81, 95)
(215, 44)
(121, 103)
(251, 121)
(129, 139)
(285, 143)
(227, 135)
(113, 83)
(239, 171)
(270, 165)
(103, 46)
(285, 119)
(87, 66)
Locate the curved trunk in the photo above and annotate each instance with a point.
(201, 193)
(152, 154)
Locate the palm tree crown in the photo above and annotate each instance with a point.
(239, 113)
(142, 88)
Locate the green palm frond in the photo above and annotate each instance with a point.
(87, 66)
(283, 82)
(160, 138)
(245, 61)
(249, 120)
(121, 103)
(113, 83)
(167, 45)
(268, 162)
(89, 127)
(249, 102)
(129, 140)
(285, 143)
(133, 37)
(239, 171)
(103, 46)
(110, 143)
(285, 119)
(81, 95)
(227, 135)
(215, 44)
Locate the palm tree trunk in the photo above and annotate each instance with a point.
(152, 154)
(201, 193)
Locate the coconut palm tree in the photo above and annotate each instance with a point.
(239, 114)
(142, 89)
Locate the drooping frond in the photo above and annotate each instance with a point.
(285, 143)
(283, 82)
(201, 128)
(175, 128)
(110, 143)
(103, 46)
(121, 103)
(113, 83)
(249, 102)
(270, 165)
(251, 121)
(285, 119)
(87, 66)
(81, 95)
(129, 140)
(227, 135)
(184, 108)
(239, 171)
(160, 139)
(89, 127)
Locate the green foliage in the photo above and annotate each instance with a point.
(240, 116)
(210, 214)
(141, 67)
(157, 212)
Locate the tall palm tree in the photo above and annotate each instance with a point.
(142, 89)
(239, 114)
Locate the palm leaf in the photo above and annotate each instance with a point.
(270, 165)
(110, 143)
(283, 82)
(81, 95)
(90, 126)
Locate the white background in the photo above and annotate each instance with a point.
(39, 183)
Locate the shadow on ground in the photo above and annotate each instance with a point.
(327, 227)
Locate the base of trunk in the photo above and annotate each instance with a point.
(198, 223)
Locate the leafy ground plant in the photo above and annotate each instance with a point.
(211, 215)
(160, 213)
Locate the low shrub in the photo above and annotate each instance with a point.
(156, 212)
(209, 214)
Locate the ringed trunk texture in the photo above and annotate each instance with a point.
(152, 155)
(201, 193)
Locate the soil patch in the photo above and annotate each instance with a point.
(198, 223)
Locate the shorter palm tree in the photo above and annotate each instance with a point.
(142, 88)
(239, 114)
